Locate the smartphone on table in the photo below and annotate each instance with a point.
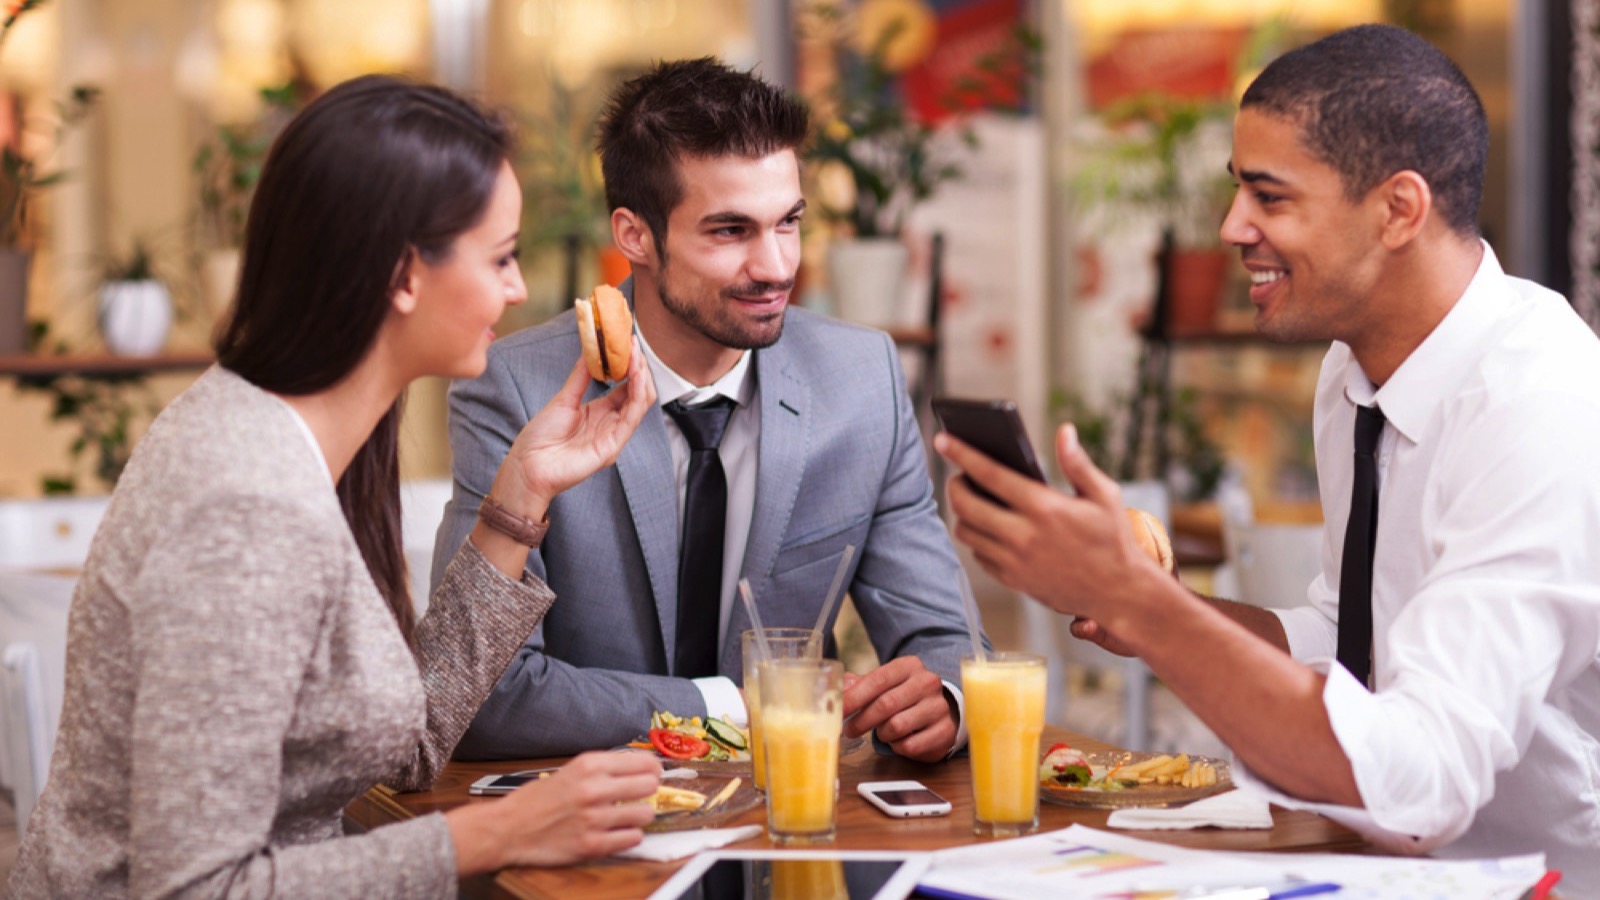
(903, 799)
(492, 785)
(993, 428)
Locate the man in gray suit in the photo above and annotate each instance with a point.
(821, 450)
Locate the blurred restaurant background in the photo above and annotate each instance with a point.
(1053, 173)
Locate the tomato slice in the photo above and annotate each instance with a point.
(677, 745)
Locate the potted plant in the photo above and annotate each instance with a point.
(563, 198)
(1141, 440)
(135, 309)
(1163, 159)
(227, 168)
(22, 176)
(876, 158)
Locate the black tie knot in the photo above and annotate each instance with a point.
(702, 425)
(1369, 427)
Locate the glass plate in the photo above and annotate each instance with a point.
(1144, 794)
(743, 799)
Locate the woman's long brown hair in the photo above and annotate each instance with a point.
(376, 169)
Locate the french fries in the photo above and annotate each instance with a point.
(1199, 775)
(1169, 770)
(1165, 770)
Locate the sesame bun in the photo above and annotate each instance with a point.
(1152, 537)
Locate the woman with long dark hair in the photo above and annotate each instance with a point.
(242, 659)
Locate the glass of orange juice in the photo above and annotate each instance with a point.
(802, 714)
(784, 643)
(1005, 717)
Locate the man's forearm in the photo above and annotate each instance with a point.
(1260, 622)
(1264, 705)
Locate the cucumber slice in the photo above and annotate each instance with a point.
(726, 734)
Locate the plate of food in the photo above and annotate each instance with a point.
(1070, 778)
(689, 798)
(708, 743)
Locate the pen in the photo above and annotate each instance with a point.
(1541, 890)
(1303, 890)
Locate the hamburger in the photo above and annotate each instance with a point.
(1152, 537)
(605, 329)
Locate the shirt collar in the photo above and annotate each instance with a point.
(670, 386)
(1436, 367)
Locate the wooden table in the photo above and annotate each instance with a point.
(860, 826)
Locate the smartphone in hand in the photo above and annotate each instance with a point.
(993, 428)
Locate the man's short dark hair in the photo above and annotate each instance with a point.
(687, 108)
(1374, 100)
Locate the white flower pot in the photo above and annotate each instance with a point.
(135, 317)
(867, 276)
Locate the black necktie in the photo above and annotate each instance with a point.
(705, 507)
(1360, 540)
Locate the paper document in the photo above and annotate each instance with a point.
(1080, 863)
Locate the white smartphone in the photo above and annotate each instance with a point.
(490, 785)
(904, 799)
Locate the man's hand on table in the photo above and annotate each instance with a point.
(905, 704)
(592, 807)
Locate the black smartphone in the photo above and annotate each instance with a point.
(993, 428)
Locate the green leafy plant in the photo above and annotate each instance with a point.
(1161, 157)
(103, 407)
(563, 197)
(1122, 440)
(228, 166)
(20, 175)
(138, 265)
(892, 158)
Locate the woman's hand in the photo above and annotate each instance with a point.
(593, 807)
(569, 440)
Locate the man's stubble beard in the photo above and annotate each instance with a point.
(720, 326)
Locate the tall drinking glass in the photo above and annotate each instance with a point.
(1005, 717)
(802, 714)
(785, 643)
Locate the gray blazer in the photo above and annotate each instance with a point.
(841, 462)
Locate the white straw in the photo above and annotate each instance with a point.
(755, 619)
(969, 606)
(833, 595)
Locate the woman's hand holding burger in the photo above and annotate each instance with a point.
(567, 441)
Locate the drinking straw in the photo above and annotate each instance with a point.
(832, 597)
(969, 605)
(755, 619)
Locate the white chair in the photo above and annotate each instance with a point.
(421, 509)
(42, 544)
(1272, 565)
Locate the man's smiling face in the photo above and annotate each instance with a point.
(1314, 256)
(733, 247)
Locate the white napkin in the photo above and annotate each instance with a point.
(671, 845)
(1232, 809)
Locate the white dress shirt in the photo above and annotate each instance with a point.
(1482, 734)
(739, 452)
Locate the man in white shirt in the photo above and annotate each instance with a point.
(816, 443)
(1360, 160)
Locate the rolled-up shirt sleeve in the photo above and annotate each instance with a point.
(1503, 615)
